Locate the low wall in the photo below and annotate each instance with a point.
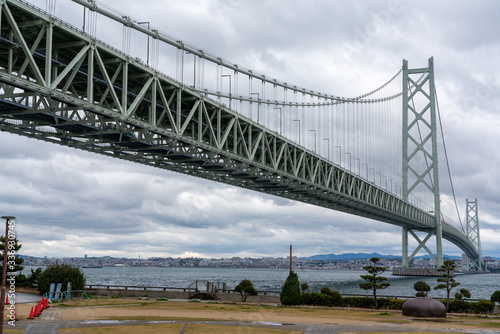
(415, 272)
(153, 294)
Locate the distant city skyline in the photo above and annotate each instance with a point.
(357, 262)
(339, 257)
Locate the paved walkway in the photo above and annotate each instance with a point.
(45, 324)
(41, 329)
(26, 298)
(321, 330)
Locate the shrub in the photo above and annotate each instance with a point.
(34, 276)
(22, 281)
(463, 294)
(456, 306)
(391, 304)
(483, 306)
(290, 292)
(246, 289)
(495, 297)
(61, 273)
(360, 302)
(304, 287)
(314, 298)
(461, 306)
(422, 288)
(322, 299)
(326, 290)
(335, 296)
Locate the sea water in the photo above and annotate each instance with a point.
(481, 286)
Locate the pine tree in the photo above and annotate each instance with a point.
(446, 279)
(15, 264)
(374, 282)
(290, 291)
(246, 289)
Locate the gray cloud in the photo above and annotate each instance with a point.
(72, 203)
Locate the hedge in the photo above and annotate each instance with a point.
(461, 306)
(321, 299)
(456, 306)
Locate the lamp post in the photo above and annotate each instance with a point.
(4, 272)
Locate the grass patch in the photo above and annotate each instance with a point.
(144, 329)
(490, 324)
(63, 305)
(95, 302)
(416, 332)
(214, 329)
(176, 328)
(128, 309)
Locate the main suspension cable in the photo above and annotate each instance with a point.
(448, 163)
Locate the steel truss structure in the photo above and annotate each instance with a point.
(420, 159)
(60, 85)
(472, 217)
(419, 146)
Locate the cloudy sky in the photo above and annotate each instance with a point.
(71, 203)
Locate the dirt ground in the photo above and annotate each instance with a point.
(133, 309)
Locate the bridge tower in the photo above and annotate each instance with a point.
(420, 153)
(473, 233)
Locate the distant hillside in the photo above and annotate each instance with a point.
(349, 256)
(362, 256)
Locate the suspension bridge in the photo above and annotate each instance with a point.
(170, 105)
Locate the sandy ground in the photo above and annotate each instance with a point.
(230, 312)
(174, 310)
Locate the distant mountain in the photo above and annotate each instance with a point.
(363, 256)
(350, 256)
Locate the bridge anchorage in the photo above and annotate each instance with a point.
(230, 125)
